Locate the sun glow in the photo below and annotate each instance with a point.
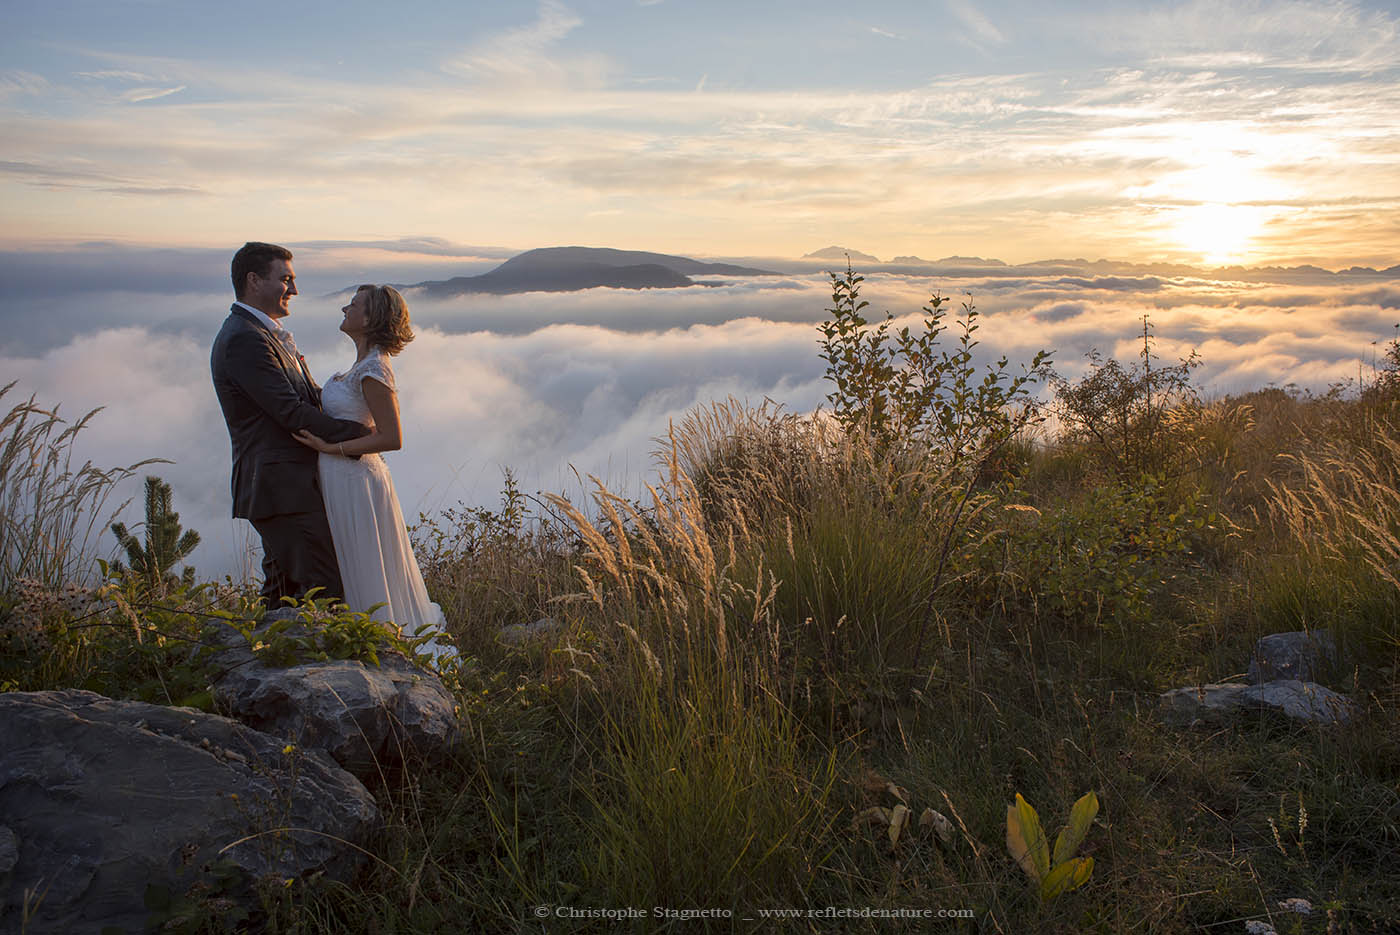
(1220, 233)
(1216, 185)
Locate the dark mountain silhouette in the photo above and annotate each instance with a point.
(569, 269)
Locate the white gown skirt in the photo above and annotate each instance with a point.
(372, 546)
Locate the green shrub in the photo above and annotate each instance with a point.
(1096, 558)
(907, 391)
(1122, 414)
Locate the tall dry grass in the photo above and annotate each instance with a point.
(50, 508)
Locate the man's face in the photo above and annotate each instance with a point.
(271, 293)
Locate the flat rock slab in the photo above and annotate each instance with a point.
(99, 798)
(365, 717)
(1304, 701)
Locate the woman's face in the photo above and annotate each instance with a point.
(356, 319)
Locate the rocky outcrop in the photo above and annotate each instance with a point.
(366, 717)
(101, 798)
(1300, 655)
(1302, 701)
(1280, 673)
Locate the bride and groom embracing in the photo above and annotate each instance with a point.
(306, 467)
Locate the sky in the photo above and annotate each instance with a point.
(1142, 147)
(1202, 131)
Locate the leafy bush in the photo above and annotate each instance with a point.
(1122, 413)
(1097, 558)
(906, 390)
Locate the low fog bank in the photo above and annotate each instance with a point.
(556, 386)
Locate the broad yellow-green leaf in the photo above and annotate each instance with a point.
(899, 817)
(1080, 818)
(1067, 876)
(1025, 839)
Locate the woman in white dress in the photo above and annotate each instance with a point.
(371, 541)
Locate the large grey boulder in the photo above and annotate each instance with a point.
(1299, 655)
(101, 798)
(366, 717)
(1304, 701)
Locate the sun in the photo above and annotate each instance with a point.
(1217, 192)
(1220, 233)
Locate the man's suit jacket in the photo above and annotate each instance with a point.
(267, 395)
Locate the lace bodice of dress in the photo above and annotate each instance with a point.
(344, 397)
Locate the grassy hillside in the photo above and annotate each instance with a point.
(926, 598)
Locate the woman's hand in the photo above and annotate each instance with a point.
(313, 441)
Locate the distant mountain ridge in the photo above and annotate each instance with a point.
(999, 269)
(570, 269)
(840, 253)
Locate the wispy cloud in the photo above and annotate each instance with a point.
(980, 30)
(16, 81)
(529, 56)
(138, 95)
(114, 74)
(55, 178)
(545, 145)
(1291, 34)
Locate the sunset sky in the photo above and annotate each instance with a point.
(1217, 131)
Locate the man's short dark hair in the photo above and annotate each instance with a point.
(254, 257)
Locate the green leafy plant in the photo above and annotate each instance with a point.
(1094, 558)
(1054, 872)
(905, 389)
(324, 629)
(166, 544)
(1122, 413)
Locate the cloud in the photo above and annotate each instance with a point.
(1227, 34)
(68, 178)
(17, 81)
(528, 56)
(1001, 164)
(139, 95)
(980, 29)
(1060, 311)
(546, 384)
(115, 74)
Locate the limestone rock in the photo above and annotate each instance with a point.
(517, 633)
(1298, 655)
(366, 717)
(1305, 701)
(101, 798)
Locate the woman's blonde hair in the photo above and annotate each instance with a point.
(387, 319)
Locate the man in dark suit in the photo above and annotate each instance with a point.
(267, 394)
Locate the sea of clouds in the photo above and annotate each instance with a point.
(558, 387)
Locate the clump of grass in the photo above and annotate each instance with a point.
(49, 507)
(492, 568)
